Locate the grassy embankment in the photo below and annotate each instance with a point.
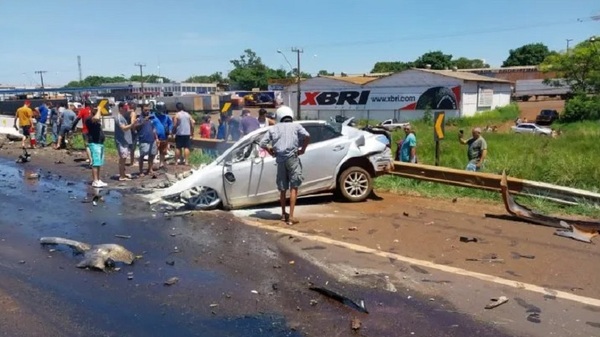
(572, 159)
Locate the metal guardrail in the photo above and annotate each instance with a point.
(491, 182)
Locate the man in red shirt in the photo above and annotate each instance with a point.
(83, 114)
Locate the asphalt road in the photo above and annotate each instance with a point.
(234, 279)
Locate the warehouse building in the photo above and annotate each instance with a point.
(405, 95)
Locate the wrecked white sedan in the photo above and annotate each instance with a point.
(339, 158)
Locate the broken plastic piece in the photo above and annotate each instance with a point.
(495, 302)
(340, 298)
(467, 239)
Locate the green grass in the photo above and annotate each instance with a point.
(198, 157)
(572, 159)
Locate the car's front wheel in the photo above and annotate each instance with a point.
(355, 184)
(200, 198)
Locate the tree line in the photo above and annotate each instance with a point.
(578, 67)
(249, 71)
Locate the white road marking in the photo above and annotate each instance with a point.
(453, 270)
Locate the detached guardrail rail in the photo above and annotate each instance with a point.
(491, 182)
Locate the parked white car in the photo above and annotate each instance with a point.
(339, 158)
(531, 128)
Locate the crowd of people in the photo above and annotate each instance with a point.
(142, 128)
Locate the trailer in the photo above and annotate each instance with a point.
(526, 89)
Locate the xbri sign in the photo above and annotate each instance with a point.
(336, 98)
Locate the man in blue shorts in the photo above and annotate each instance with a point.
(96, 147)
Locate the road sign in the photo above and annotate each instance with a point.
(438, 127)
(102, 107)
(438, 133)
(226, 109)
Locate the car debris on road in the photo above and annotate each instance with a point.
(496, 302)
(576, 229)
(94, 256)
(340, 298)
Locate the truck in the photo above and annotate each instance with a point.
(197, 103)
(392, 124)
(526, 89)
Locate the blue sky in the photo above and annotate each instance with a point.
(195, 37)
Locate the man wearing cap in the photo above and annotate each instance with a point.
(476, 149)
(249, 123)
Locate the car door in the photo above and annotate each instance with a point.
(326, 150)
(242, 172)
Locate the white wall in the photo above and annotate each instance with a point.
(470, 97)
(410, 82)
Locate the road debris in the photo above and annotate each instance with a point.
(484, 260)
(355, 324)
(94, 256)
(33, 176)
(213, 305)
(341, 299)
(123, 236)
(517, 256)
(254, 292)
(467, 239)
(171, 281)
(575, 229)
(179, 213)
(353, 229)
(130, 276)
(495, 302)
(24, 158)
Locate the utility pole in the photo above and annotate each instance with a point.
(568, 41)
(79, 67)
(298, 51)
(41, 72)
(141, 65)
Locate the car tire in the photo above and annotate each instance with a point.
(355, 184)
(200, 198)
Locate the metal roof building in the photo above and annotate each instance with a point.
(404, 95)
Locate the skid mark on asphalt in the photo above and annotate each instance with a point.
(427, 264)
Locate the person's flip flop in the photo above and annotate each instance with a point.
(292, 221)
(125, 179)
(285, 217)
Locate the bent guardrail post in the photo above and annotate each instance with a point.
(491, 182)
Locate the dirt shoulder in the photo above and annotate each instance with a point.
(430, 230)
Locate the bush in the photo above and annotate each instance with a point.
(581, 108)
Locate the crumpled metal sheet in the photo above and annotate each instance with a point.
(575, 229)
